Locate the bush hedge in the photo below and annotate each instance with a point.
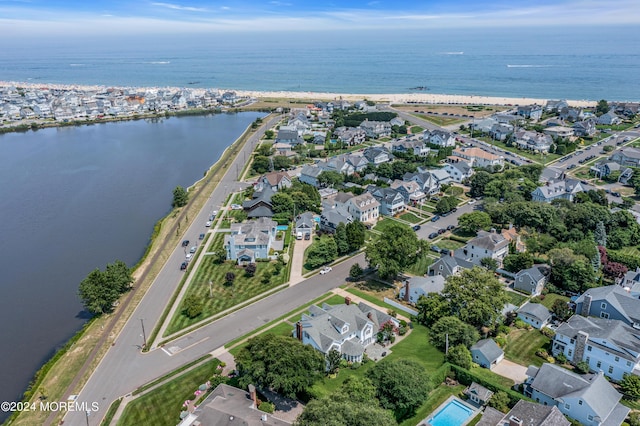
(466, 377)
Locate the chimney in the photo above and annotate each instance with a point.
(581, 343)
(514, 421)
(347, 300)
(586, 305)
(407, 288)
(511, 226)
(254, 397)
(299, 330)
(369, 316)
(450, 253)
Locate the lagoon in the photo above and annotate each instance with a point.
(73, 199)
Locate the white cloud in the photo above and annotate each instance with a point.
(179, 7)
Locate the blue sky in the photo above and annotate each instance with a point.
(25, 18)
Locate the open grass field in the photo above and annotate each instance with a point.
(410, 217)
(224, 296)
(550, 299)
(416, 129)
(449, 244)
(384, 224)
(421, 265)
(373, 296)
(522, 346)
(162, 406)
(440, 120)
(516, 298)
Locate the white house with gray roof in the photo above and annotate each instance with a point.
(448, 265)
(589, 399)
(530, 281)
(250, 241)
(562, 189)
(631, 282)
(534, 314)
(485, 244)
(414, 287)
(347, 328)
(610, 302)
(610, 346)
(486, 353)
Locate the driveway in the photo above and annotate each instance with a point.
(511, 370)
(297, 260)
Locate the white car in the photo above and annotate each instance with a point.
(472, 201)
(208, 224)
(188, 256)
(236, 207)
(325, 270)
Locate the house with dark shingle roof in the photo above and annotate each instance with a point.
(589, 399)
(415, 287)
(524, 413)
(275, 180)
(448, 265)
(534, 314)
(610, 346)
(485, 244)
(631, 282)
(530, 281)
(486, 353)
(610, 302)
(478, 393)
(309, 174)
(391, 200)
(305, 224)
(260, 204)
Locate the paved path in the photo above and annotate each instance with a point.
(511, 370)
(297, 261)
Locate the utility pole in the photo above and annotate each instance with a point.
(144, 335)
(446, 345)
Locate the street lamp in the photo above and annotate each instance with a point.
(86, 416)
(144, 335)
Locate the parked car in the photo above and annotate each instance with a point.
(189, 256)
(416, 227)
(436, 249)
(236, 207)
(616, 194)
(307, 236)
(201, 237)
(472, 201)
(433, 235)
(183, 266)
(325, 270)
(435, 218)
(571, 167)
(208, 224)
(451, 227)
(193, 249)
(185, 243)
(441, 231)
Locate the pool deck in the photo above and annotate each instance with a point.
(475, 409)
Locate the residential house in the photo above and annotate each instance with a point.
(411, 146)
(626, 157)
(424, 179)
(364, 207)
(439, 177)
(605, 168)
(305, 224)
(289, 134)
(534, 314)
(610, 302)
(486, 353)
(414, 287)
(563, 189)
(309, 174)
(556, 105)
(332, 217)
(458, 171)
(448, 264)
(485, 244)
(631, 282)
(530, 281)
(511, 235)
(396, 121)
(336, 164)
(559, 131)
(376, 129)
(440, 138)
(534, 141)
(274, 180)
(500, 131)
(628, 109)
(357, 161)
(350, 135)
(347, 328)
(524, 413)
(571, 114)
(377, 155)
(610, 119)
(479, 158)
(250, 241)
(260, 203)
(532, 112)
(227, 405)
(590, 399)
(391, 200)
(411, 191)
(584, 128)
(478, 394)
(483, 125)
(606, 345)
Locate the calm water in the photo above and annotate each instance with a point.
(74, 199)
(574, 63)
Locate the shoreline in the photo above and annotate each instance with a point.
(422, 97)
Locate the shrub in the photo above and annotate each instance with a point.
(548, 332)
(501, 340)
(582, 367)
(503, 329)
(267, 407)
(542, 353)
(520, 324)
(561, 358)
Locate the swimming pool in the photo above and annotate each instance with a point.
(282, 227)
(455, 413)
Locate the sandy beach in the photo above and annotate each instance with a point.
(399, 98)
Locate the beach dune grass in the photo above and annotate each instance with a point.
(225, 295)
(162, 406)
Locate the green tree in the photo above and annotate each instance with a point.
(229, 278)
(265, 149)
(518, 261)
(476, 296)
(97, 294)
(261, 164)
(118, 275)
(281, 363)
(180, 197)
(329, 178)
(281, 162)
(446, 204)
(192, 306)
(342, 242)
(561, 310)
(333, 359)
(582, 367)
(472, 222)
(489, 263)
(460, 356)
(634, 419)
(322, 252)
(500, 401)
(354, 404)
(431, 308)
(602, 107)
(281, 202)
(401, 385)
(356, 271)
(569, 271)
(630, 386)
(268, 134)
(459, 333)
(355, 235)
(393, 250)
(477, 183)
(250, 269)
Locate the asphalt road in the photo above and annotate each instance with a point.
(124, 367)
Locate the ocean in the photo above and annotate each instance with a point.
(580, 63)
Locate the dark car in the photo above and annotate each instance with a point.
(455, 209)
(201, 237)
(435, 218)
(445, 214)
(436, 249)
(307, 236)
(572, 166)
(433, 235)
(185, 243)
(416, 227)
(183, 266)
(441, 231)
(615, 194)
(451, 227)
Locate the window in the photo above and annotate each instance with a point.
(567, 406)
(603, 305)
(579, 402)
(599, 364)
(604, 315)
(570, 353)
(590, 417)
(611, 370)
(587, 360)
(617, 358)
(628, 363)
(572, 341)
(589, 348)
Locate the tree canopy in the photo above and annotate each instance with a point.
(474, 221)
(459, 333)
(180, 197)
(393, 250)
(100, 289)
(281, 363)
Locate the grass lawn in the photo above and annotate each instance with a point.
(550, 299)
(421, 265)
(224, 296)
(163, 405)
(427, 208)
(449, 244)
(436, 397)
(410, 217)
(516, 298)
(217, 241)
(441, 121)
(522, 346)
(416, 129)
(384, 224)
